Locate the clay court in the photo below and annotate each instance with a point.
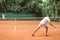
(22, 30)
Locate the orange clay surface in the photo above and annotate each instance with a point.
(22, 30)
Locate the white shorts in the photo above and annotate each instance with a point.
(41, 24)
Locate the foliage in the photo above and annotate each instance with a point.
(28, 6)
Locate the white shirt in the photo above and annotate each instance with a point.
(45, 20)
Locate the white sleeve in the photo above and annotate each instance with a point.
(49, 20)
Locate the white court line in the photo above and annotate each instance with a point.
(15, 25)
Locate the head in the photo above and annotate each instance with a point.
(49, 15)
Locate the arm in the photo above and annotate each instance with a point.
(51, 24)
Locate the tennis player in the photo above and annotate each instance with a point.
(43, 24)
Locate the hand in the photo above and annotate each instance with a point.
(54, 26)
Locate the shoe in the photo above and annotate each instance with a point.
(46, 35)
(32, 34)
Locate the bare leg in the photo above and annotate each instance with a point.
(35, 31)
(46, 30)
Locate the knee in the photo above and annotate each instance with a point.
(46, 27)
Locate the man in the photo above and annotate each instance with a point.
(3, 15)
(43, 23)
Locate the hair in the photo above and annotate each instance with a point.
(49, 15)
